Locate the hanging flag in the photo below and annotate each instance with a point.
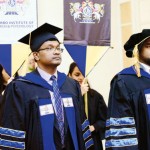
(13, 56)
(86, 56)
(5, 57)
(23, 51)
(87, 22)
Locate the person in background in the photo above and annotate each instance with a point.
(128, 120)
(97, 109)
(41, 110)
(4, 79)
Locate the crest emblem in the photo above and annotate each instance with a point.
(13, 7)
(87, 12)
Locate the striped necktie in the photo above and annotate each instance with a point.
(59, 108)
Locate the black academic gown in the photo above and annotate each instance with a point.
(20, 124)
(97, 113)
(128, 123)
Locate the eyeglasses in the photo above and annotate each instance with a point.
(60, 50)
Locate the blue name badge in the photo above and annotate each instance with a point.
(68, 102)
(46, 109)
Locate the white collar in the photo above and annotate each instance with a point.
(145, 67)
(46, 76)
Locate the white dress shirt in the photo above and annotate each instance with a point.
(145, 67)
(46, 76)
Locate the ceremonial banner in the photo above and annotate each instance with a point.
(12, 56)
(86, 56)
(5, 57)
(87, 22)
(17, 18)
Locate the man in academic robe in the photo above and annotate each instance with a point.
(128, 120)
(43, 110)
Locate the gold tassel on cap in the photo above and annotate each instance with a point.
(137, 64)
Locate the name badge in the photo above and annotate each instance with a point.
(68, 102)
(46, 109)
(147, 98)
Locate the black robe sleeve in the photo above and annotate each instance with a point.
(12, 129)
(88, 142)
(100, 124)
(121, 131)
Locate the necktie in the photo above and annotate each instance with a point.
(59, 108)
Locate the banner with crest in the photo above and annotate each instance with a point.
(87, 22)
(17, 18)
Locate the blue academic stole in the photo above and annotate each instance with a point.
(71, 118)
(147, 96)
(46, 112)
